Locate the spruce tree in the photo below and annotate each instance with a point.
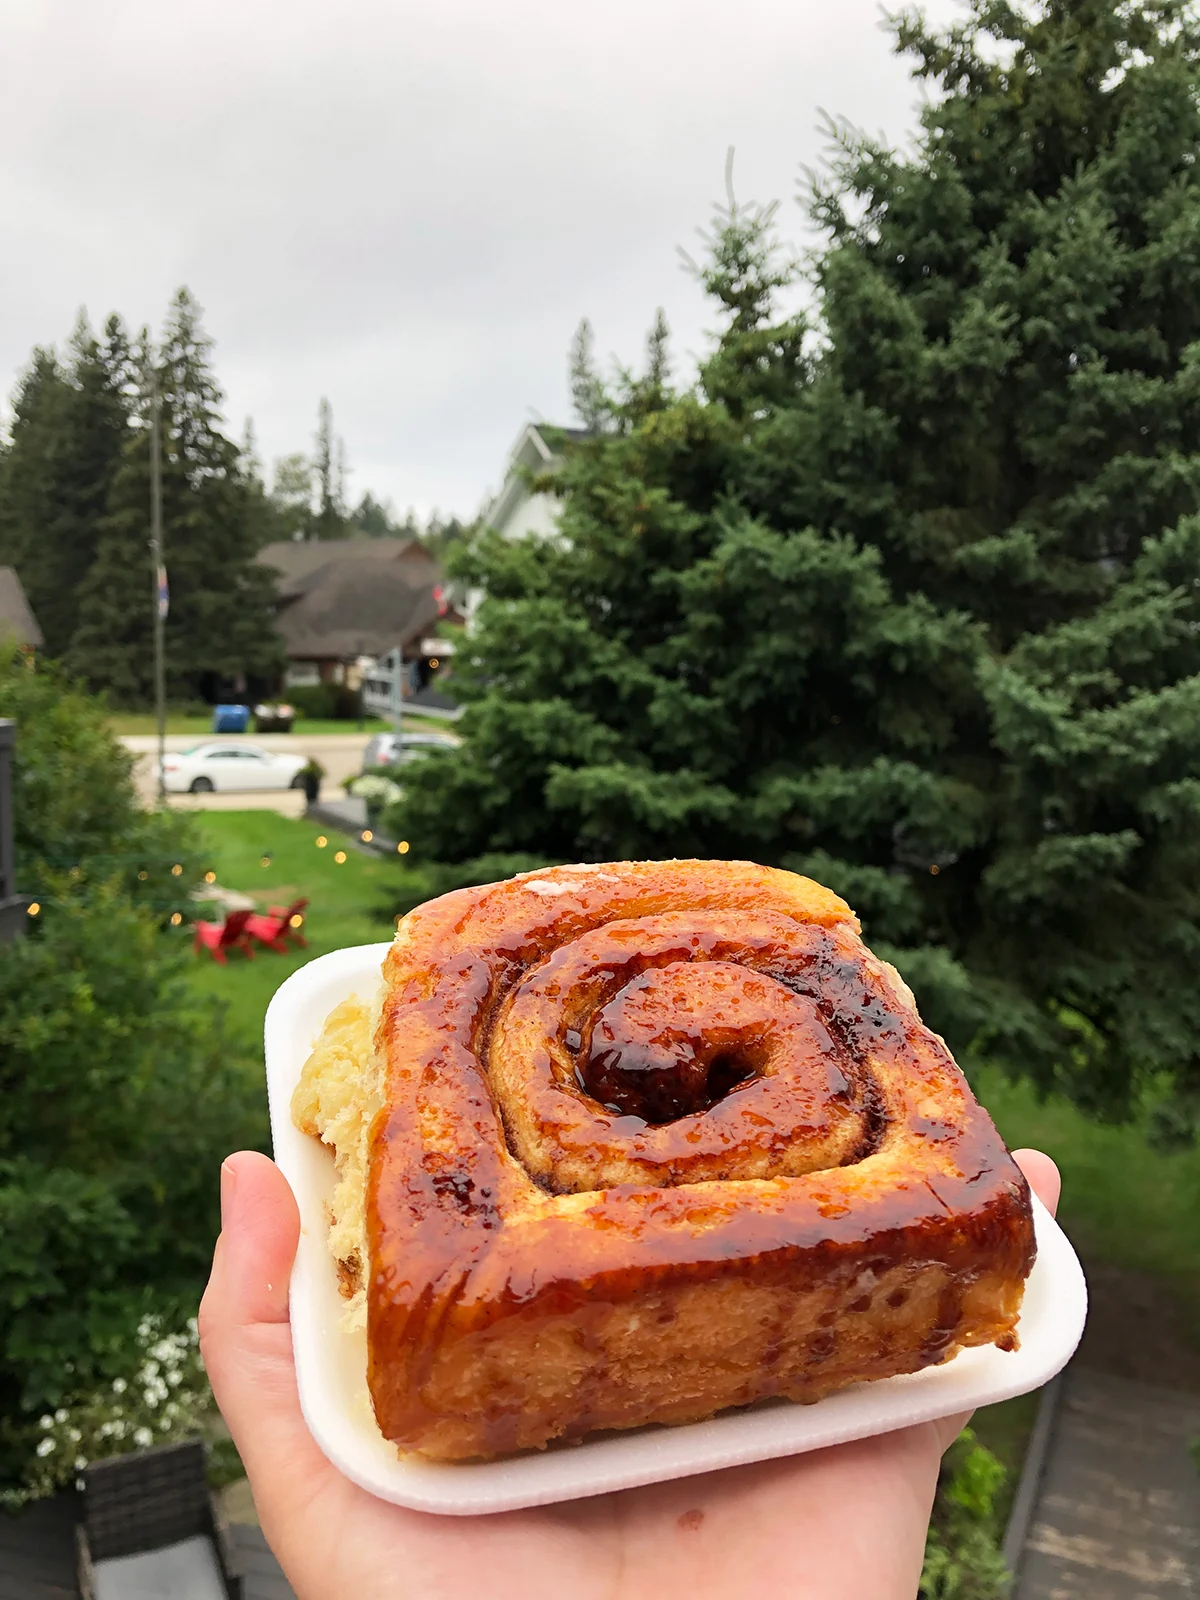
(70, 427)
(907, 598)
(220, 630)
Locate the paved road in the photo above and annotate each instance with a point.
(339, 753)
(1118, 1514)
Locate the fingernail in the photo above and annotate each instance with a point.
(228, 1187)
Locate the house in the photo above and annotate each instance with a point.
(345, 602)
(522, 509)
(18, 625)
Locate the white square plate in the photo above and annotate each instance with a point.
(331, 1364)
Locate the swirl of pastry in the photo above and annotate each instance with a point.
(635, 1143)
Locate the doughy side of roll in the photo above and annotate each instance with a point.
(635, 1144)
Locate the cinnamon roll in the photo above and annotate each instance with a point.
(636, 1143)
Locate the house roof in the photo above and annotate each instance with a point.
(538, 447)
(340, 599)
(17, 622)
(299, 560)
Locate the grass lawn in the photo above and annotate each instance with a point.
(1122, 1202)
(349, 902)
(133, 723)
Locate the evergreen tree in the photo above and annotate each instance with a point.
(70, 429)
(373, 519)
(220, 630)
(329, 469)
(908, 599)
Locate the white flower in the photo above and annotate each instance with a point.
(143, 1437)
(45, 1447)
(80, 1463)
(74, 1435)
(46, 1422)
(193, 1327)
(164, 1425)
(60, 1415)
(151, 1398)
(119, 1386)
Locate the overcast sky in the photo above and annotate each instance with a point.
(406, 205)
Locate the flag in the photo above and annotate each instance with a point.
(164, 595)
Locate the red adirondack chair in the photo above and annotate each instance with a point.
(218, 937)
(286, 917)
(270, 930)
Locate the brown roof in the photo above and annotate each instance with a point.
(342, 598)
(298, 560)
(17, 622)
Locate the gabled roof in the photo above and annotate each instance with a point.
(340, 599)
(298, 561)
(538, 448)
(18, 625)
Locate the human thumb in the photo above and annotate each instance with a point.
(245, 1337)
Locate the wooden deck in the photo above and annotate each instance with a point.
(1117, 1515)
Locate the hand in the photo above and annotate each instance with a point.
(844, 1522)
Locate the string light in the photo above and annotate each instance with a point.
(296, 922)
(210, 877)
(934, 872)
(322, 841)
(340, 858)
(176, 919)
(434, 663)
(177, 871)
(142, 876)
(403, 847)
(265, 862)
(34, 910)
(367, 836)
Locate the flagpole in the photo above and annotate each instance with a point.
(160, 582)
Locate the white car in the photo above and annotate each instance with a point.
(208, 767)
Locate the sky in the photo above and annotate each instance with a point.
(408, 205)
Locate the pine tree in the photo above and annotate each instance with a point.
(329, 469)
(908, 599)
(220, 630)
(71, 426)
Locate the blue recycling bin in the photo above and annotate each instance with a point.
(231, 719)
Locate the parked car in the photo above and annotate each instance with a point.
(393, 750)
(208, 767)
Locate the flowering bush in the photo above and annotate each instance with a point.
(165, 1398)
(375, 790)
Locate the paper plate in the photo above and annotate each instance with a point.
(331, 1364)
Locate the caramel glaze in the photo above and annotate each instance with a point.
(494, 1190)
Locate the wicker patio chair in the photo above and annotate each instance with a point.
(150, 1528)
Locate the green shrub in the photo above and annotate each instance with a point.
(326, 702)
(962, 1552)
(119, 1090)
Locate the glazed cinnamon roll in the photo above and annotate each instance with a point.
(632, 1144)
